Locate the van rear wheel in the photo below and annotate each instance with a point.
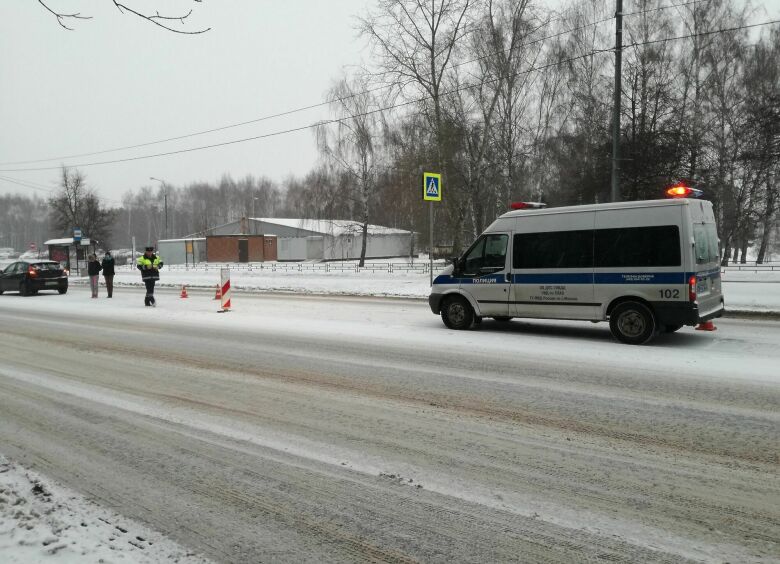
(632, 323)
(457, 313)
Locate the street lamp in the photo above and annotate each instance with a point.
(165, 198)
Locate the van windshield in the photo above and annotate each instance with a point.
(487, 255)
(705, 239)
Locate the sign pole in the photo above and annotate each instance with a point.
(77, 244)
(431, 186)
(430, 244)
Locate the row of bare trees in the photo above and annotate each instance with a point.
(512, 101)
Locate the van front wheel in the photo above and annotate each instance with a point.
(632, 323)
(457, 313)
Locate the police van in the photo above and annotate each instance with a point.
(646, 267)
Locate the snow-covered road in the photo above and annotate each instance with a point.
(351, 429)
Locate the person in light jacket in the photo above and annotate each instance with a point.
(149, 264)
(108, 272)
(93, 269)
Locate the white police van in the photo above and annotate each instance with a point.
(647, 267)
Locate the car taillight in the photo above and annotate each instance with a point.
(32, 272)
(692, 289)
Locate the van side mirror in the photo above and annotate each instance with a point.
(456, 263)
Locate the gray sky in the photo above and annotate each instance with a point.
(117, 81)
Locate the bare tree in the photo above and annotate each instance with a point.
(649, 116)
(353, 143)
(76, 205)
(762, 124)
(160, 20)
(508, 49)
(415, 41)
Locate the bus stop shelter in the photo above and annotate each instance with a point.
(70, 254)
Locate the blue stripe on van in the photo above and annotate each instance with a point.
(488, 279)
(582, 278)
(640, 278)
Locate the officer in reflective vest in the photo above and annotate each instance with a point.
(149, 264)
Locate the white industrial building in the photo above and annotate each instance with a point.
(309, 239)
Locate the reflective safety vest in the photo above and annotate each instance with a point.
(149, 267)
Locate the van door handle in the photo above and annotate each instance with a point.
(508, 277)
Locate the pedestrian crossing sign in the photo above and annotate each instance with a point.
(431, 187)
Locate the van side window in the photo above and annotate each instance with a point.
(638, 247)
(487, 255)
(558, 249)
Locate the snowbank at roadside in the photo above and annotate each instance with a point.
(41, 521)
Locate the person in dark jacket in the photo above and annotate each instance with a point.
(149, 264)
(108, 272)
(93, 269)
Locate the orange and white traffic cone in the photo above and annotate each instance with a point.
(706, 326)
(218, 295)
(184, 292)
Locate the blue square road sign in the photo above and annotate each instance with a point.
(432, 187)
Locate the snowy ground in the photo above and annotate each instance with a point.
(41, 521)
(282, 429)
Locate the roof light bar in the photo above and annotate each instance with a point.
(527, 205)
(682, 191)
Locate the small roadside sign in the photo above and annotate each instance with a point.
(431, 187)
(76, 234)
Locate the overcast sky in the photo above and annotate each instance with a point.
(117, 80)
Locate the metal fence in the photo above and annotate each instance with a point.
(753, 267)
(419, 267)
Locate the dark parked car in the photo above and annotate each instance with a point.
(30, 276)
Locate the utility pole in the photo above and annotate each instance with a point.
(615, 193)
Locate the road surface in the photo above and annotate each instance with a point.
(310, 429)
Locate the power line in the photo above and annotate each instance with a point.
(701, 34)
(578, 28)
(294, 129)
(390, 107)
(26, 184)
(36, 186)
(321, 104)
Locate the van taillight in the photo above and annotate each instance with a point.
(692, 289)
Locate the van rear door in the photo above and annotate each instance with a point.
(709, 292)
